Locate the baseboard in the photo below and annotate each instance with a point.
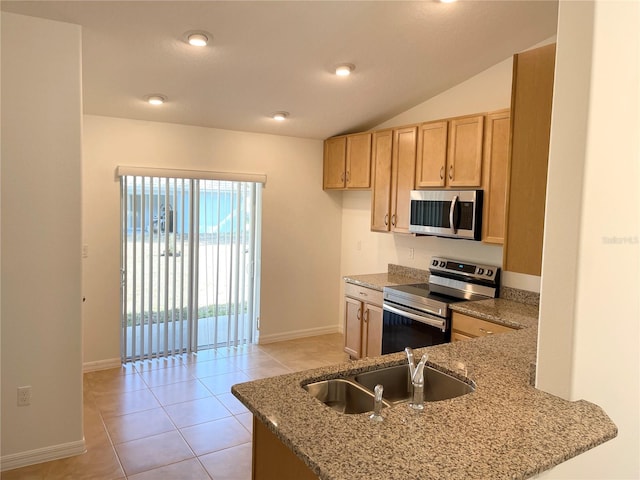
(101, 365)
(309, 332)
(40, 455)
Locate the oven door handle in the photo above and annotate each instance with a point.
(432, 321)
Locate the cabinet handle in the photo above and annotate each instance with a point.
(366, 315)
(451, 172)
(393, 220)
(486, 332)
(359, 314)
(386, 220)
(348, 177)
(442, 172)
(364, 294)
(342, 177)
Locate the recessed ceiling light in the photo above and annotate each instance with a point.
(198, 39)
(345, 69)
(156, 99)
(280, 116)
(447, 1)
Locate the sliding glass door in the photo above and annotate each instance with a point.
(190, 278)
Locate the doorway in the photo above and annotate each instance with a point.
(190, 264)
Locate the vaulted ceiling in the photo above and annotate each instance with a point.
(268, 56)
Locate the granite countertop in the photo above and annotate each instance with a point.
(377, 281)
(506, 312)
(504, 429)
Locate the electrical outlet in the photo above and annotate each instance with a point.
(411, 253)
(24, 396)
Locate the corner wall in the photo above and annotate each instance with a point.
(41, 271)
(300, 222)
(595, 154)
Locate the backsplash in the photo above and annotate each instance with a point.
(420, 275)
(521, 296)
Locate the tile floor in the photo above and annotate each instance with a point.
(176, 418)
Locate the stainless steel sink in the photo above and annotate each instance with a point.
(354, 394)
(397, 384)
(343, 395)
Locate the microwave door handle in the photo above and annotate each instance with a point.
(452, 211)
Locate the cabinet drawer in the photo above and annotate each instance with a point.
(363, 293)
(475, 327)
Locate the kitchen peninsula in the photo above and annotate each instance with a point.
(504, 429)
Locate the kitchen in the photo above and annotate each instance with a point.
(376, 250)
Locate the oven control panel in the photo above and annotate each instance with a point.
(481, 272)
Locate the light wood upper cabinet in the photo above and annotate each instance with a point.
(431, 162)
(531, 100)
(403, 168)
(450, 153)
(335, 162)
(495, 165)
(347, 162)
(382, 150)
(394, 163)
(358, 171)
(464, 158)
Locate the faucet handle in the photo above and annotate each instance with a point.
(412, 365)
(376, 416)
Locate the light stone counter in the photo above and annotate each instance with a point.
(505, 429)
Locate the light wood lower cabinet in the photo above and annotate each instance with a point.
(273, 460)
(465, 327)
(363, 321)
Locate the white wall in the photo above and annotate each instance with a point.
(589, 329)
(301, 223)
(41, 271)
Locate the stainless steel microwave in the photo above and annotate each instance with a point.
(447, 213)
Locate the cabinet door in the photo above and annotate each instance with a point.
(465, 152)
(372, 342)
(358, 172)
(353, 327)
(381, 195)
(432, 155)
(496, 161)
(531, 101)
(403, 177)
(334, 162)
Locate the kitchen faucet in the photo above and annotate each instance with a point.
(416, 373)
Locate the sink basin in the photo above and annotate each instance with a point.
(397, 384)
(343, 395)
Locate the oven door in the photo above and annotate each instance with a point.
(402, 328)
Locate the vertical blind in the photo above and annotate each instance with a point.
(190, 274)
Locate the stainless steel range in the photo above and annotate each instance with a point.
(418, 315)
